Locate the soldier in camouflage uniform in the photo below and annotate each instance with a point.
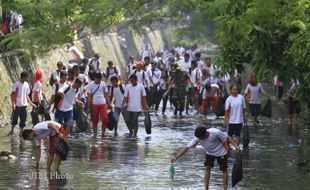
(179, 80)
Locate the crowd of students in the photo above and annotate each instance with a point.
(13, 20)
(180, 77)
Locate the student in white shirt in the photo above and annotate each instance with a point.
(110, 72)
(253, 91)
(99, 102)
(185, 63)
(155, 76)
(64, 110)
(96, 62)
(56, 87)
(56, 74)
(135, 97)
(210, 66)
(37, 96)
(131, 65)
(20, 99)
(234, 115)
(210, 93)
(162, 89)
(194, 82)
(84, 79)
(116, 97)
(200, 63)
(214, 143)
(141, 75)
(53, 131)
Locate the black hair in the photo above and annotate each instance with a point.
(147, 58)
(114, 78)
(110, 62)
(96, 55)
(208, 58)
(200, 132)
(186, 55)
(78, 81)
(194, 63)
(85, 60)
(234, 85)
(26, 133)
(70, 71)
(63, 73)
(98, 76)
(23, 74)
(75, 67)
(134, 77)
(198, 54)
(60, 63)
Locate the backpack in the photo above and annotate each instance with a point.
(51, 81)
(91, 62)
(143, 74)
(108, 71)
(58, 98)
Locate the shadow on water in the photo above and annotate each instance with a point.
(277, 158)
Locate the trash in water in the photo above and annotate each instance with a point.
(172, 171)
(236, 175)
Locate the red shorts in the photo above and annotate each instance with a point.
(100, 112)
(205, 102)
(51, 141)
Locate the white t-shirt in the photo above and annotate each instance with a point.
(56, 75)
(37, 87)
(42, 131)
(195, 77)
(162, 84)
(212, 93)
(200, 64)
(235, 106)
(142, 76)
(96, 64)
(185, 65)
(23, 91)
(156, 75)
(130, 67)
(254, 93)
(211, 69)
(60, 85)
(135, 94)
(214, 144)
(69, 98)
(98, 97)
(112, 73)
(118, 96)
(84, 80)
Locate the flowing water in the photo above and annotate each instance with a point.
(272, 161)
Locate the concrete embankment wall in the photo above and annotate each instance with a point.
(108, 45)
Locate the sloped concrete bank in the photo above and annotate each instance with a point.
(116, 46)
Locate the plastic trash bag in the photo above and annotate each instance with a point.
(236, 175)
(246, 136)
(81, 118)
(62, 149)
(220, 110)
(172, 171)
(148, 123)
(267, 109)
(34, 116)
(112, 120)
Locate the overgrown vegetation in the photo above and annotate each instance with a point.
(272, 36)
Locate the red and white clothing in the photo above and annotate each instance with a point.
(195, 76)
(21, 90)
(98, 100)
(211, 95)
(37, 89)
(135, 94)
(76, 53)
(254, 93)
(235, 107)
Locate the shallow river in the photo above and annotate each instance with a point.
(121, 162)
